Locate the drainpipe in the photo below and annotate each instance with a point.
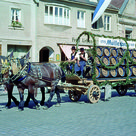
(35, 4)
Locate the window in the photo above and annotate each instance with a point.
(57, 15)
(81, 19)
(128, 34)
(96, 24)
(107, 23)
(15, 15)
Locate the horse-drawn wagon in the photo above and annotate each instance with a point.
(115, 66)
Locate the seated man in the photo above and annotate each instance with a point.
(72, 59)
(82, 58)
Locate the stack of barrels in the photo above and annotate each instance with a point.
(111, 57)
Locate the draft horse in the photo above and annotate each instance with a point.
(32, 76)
(9, 87)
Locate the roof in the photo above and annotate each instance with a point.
(91, 3)
(117, 3)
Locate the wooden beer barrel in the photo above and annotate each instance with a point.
(113, 60)
(105, 60)
(121, 71)
(114, 52)
(134, 70)
(99, 51)
(134, 59)
(130, 71)
(104, 72)
(121, 51)
(97, 70)
(106, 51)
(113, 73)
(97, 61)
(119, 59)
(134, 52)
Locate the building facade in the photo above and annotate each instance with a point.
(127, 19)
(17, 27)
(48, 28)
(59, 23)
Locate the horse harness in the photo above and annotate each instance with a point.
(28, 69)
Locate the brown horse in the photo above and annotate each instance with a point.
(10, 86)
(32, 76)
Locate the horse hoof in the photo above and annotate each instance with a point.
(38, 107)
(20, 109)
(57, 105)
(7, 107)
(45, 108)
(42, 103)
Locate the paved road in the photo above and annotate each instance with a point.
(116, 117)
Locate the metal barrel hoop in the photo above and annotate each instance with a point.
(105, 72)
(121, 51)
(121, 71)
(97, 61)
(113, 60)
(130, 71)
(113, 72)
(97, 72)
(134, 52)
(134, 70)
(114, 52)
(119, 59)
(106, 51)
(99, 51)
(105, 60)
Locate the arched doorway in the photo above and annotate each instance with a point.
(46, 54)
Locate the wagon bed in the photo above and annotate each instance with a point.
(77, 86)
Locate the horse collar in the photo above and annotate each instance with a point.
(22, 78)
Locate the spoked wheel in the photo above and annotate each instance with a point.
(74, 95)
(122, 90)
(94, 93)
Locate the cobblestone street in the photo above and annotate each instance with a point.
(116, 117)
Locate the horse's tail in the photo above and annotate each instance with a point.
(63, 76)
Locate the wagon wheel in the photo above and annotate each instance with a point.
(122, 90)
(74, 95)
(93, 93)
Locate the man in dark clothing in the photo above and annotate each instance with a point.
(82, 57)
(72, 59)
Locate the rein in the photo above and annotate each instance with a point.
(21, 73)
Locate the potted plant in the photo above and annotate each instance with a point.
(16, 24)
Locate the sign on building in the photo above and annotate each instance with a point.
(116, 43)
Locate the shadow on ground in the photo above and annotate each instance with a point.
(65, 99)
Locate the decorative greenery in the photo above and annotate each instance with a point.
(94, 54)
(16, 24)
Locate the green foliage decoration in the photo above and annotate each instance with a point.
(94, 55)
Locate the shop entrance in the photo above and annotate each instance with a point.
(46, 54)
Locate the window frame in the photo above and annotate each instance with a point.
(96, 23)
(14, 15)
(129, 34)
(80, 20)
(59, 19)
(106, 23)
